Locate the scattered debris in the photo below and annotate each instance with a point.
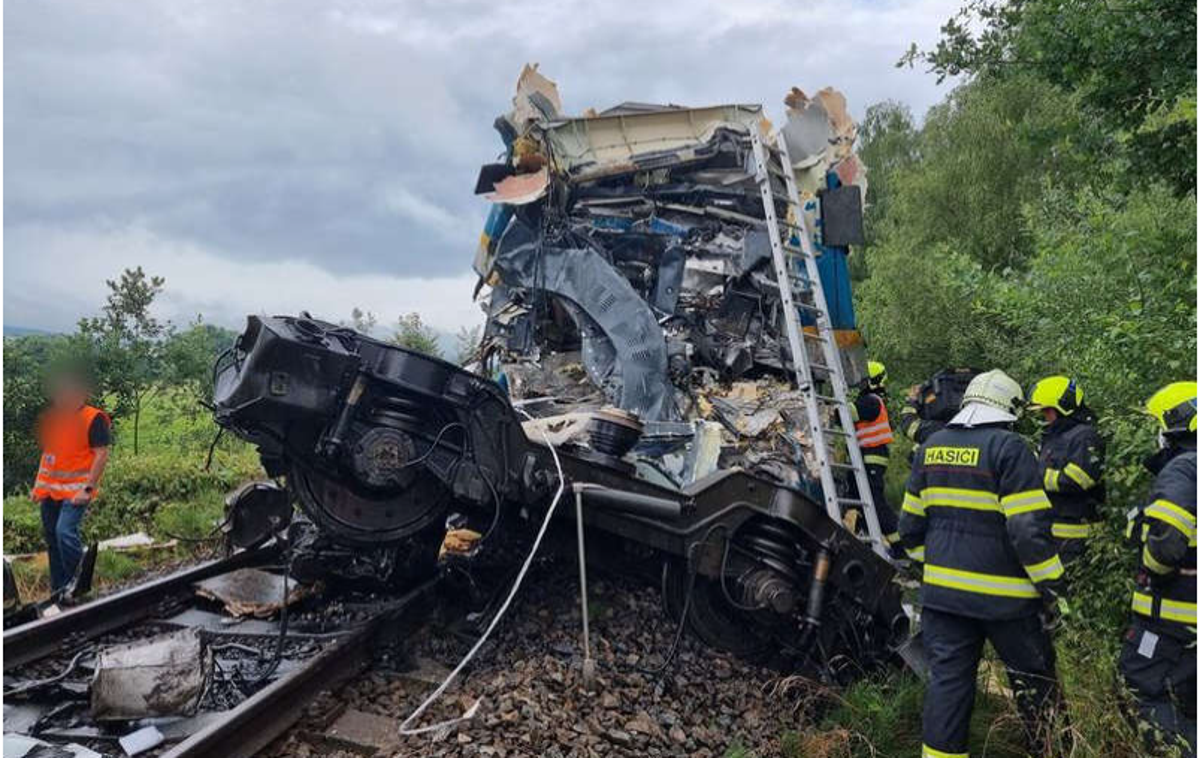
(162, 676)
(142, 740)
(128, 541)
(20, 746)
(367, 732)
(252, 592)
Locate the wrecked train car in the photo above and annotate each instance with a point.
(632, 358)
(629, 265)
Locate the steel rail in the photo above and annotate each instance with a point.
(248, 728)
(47, 636)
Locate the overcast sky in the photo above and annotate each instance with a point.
(302, 154)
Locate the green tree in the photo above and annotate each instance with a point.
(888, 146)
(188, 357)
(127, 342)
(1132, 64)
(467, 339)
(414, 334)
(361, 321)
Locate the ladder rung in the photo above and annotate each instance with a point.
(837, 432)
(813, 337)
(846, 466)
(819, 366)
(827, 399)
(851, 501)
(808, 307)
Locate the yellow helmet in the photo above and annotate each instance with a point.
(876, 374)
(1058, 392)
(1175, 407)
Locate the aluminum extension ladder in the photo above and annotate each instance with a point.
(792, 289)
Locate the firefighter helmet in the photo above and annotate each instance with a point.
(992, 397)
(1175, 407)
(876, 375)
(1059, 392)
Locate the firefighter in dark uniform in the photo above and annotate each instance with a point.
(912, 425)
(874, 432)
(1072, 459)
(975, 514)
(914, 422)
(1158, 657)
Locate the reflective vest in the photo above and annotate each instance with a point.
(66, 455)
(975, 515)
(877, 432)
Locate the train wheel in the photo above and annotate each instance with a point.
(711, 616)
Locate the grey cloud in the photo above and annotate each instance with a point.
(347, 134)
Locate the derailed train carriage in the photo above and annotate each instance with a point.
(634, 337)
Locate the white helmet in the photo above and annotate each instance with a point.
(992, 397)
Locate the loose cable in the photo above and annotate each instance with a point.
(512, 593)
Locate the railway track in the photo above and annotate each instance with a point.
(330, 640)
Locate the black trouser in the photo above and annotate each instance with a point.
(889, 523)
(1160, 672)
(953, 645)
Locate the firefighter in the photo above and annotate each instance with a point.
(874, 433)
(912, 425)
(940, 396)
(975, 514)
(1158, 656)
(1072, 459)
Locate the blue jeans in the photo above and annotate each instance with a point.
(60, 527)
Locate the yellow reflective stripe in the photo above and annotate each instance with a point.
(77, 486)
(1050, 480)
(979, 583)
(872, 427)
(1081, 477)
(916, 553)
(1024, 502)
(875, 439)
(1170, 513)
(1175, 610)
(1171, 610)
(1065, 531)
(912, 504)
(53, 474)
(1051, 568)
(892, 537)
(910, 431)
(875, 460)
(1152, 563)
(928, 752)
(954, 497)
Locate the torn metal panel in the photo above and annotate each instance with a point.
(521, 189)
(536, 98)
(590, 148)
(621, 336)
(252, 592)
(162, 676)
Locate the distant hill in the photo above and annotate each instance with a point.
(13, 330)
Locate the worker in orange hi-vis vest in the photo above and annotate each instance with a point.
(874, 432)
(74, 438)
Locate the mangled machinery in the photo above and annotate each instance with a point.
(633, 344)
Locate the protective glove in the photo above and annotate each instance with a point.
(1055, 611)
